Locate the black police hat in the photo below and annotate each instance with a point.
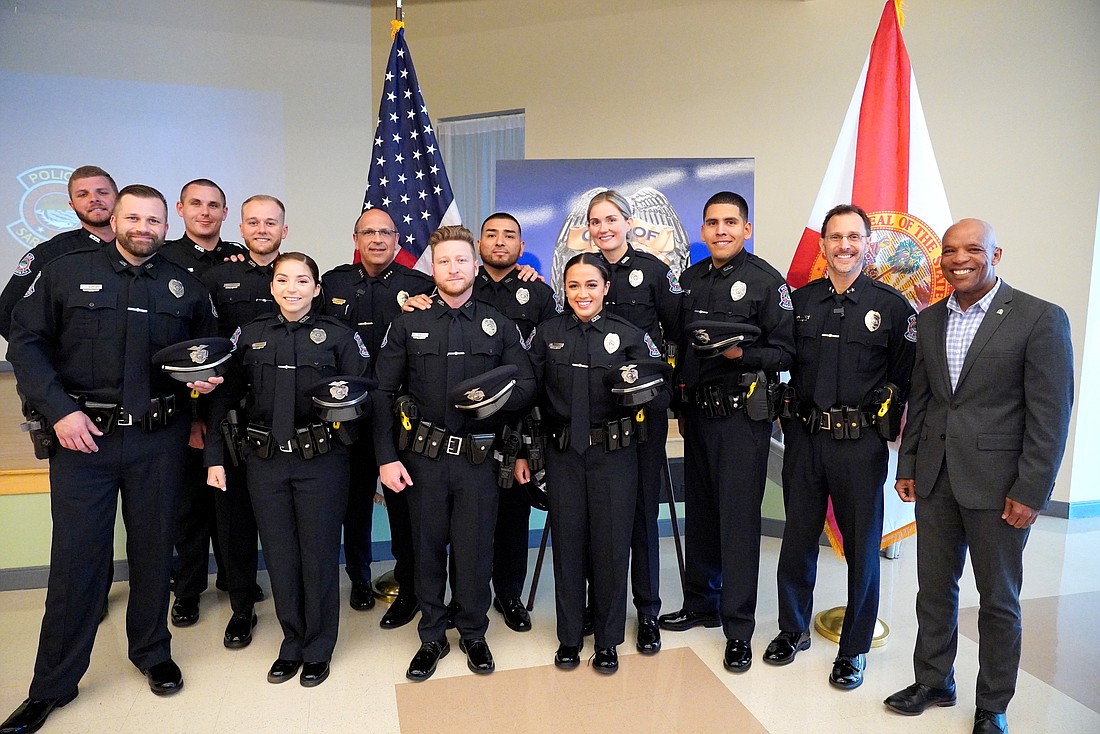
(638, 382)
(195, 359)
(711, 338)
(341, 398)
(487, 393)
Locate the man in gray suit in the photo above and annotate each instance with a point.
(988, 419)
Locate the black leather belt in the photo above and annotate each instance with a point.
(108, 416)
(844, 422)
(433, 441)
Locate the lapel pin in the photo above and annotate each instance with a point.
(1000, 311)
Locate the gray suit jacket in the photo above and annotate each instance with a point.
(1003, 431)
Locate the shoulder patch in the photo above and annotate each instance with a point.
(235, 337)
(674, 284)
(785, 298)
(30, 291)
(24, 266)
(362, 347)
(386, 336)
(911, 328)
(653, 350)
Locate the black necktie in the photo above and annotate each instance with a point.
(828, 364)
(455, 354)
(135, 383)
(579, 422)
(286, 360)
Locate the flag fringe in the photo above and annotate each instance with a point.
(899, 8)
(905, 531)
(395, 26)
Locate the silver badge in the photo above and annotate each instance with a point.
(611, 342)
(338, 390)
(402, 296)
(476, 395)
(176, 287)
(738, 290)
(636, 277)
(489, 326)
(629, 373)
(317, 336)
(702, 336)
(523, 296)
(199, 354)
(873, 320)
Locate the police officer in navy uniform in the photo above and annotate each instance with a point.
(241, 292)
(592, 467)
(445, 470)
(527, 303)
(81, 346)
(645, 292)
(297, 469)
(367, 296)
(726, 447)
(92, 194)
(856, 342)
(202, 206)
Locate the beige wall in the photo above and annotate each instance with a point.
(1010, 89)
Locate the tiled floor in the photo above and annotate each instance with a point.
(683, 689)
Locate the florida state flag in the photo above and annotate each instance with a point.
(883, 162)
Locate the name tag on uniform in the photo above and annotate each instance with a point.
(258, 345)
(338, 301)
(420, 335)
(555, 345)
(91, 287)
(231, 286)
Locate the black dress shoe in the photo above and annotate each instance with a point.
(362, 596)
(785, 646)
(32, 714)
(313, 674)
(515, 614)
(426, 658)
(649, 635)
(221, 585)
(848, 671)
(185, 611)
(283, 670)
(606, 660)
(568, 656)
(238, 633)
(164, 678)
(589, 627)
(479, 658)
(685, 620)
(401, 611)
(917, 697)
(990, 722)
(738, 657)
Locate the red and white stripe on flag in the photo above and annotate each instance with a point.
(883, 162)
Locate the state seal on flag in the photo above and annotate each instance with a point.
(905, 253)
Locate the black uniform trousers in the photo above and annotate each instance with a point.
(510, 542)
(452, 501)
(592, 501)
(236, 531)
(196, 529)
(146, 469)
(645, 548)
(401, 539)
(945, 530)
(359, 517)
(852, 472)
(726, 465)
(299, 505)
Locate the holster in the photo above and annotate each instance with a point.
(407, 413)
(888, 411)
(510, 444)
(43, 439)
(535, 440)
(346, 434)
(641, 427)
(757, 404)
(231, 433)
(788, 401)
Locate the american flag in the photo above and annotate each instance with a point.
(406, 176)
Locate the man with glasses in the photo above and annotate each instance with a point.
(855, 341)
(367, 296)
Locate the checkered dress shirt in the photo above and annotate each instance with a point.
(961, 328)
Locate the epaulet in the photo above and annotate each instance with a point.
(889, 289)
(234, 245)
(763, 265)
(618, 319)
(341, 269)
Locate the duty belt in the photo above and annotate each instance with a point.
(308, 441)
(433, 441)
(108, 416)
(844, 422)
(613, 435)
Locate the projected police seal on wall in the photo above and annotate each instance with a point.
(44, 209)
